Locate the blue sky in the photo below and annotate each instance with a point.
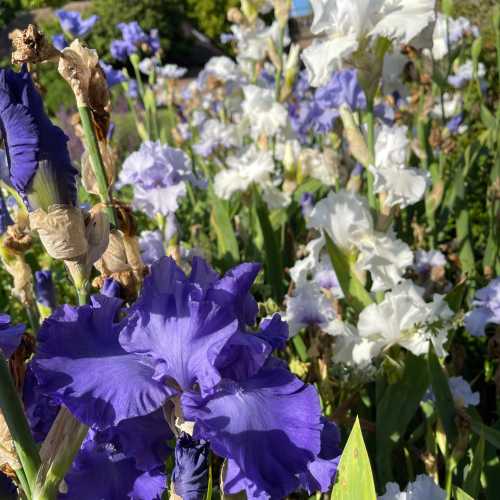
(301, 8)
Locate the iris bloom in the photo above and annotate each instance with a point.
(133, 39)
(72, 23)
(10, 336)
(159, 174)
(486, 310)
(422, 487)
(186, 343)
(39, 165)
(349, 26)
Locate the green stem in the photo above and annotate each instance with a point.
(83, 295)
(13, 412)
(279, 71)
(300, 347)
(370, 122)
(21, 476)
(33, 317)
(450, 469)
(64, 440)
(97, 163)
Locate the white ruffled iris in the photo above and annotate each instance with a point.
(403, 185)
(422, 488)
(347, 25)
(253, 166)
(346, 218)
(404, 318)
(266, 116)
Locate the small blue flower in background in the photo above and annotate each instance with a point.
(59, 42)
(72, 23)
(486, 309)
(39, 165)
(44, 289)
(113, 76)
(133, 39)
(186, 342)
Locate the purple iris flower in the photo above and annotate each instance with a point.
(35, 148)
(455, 123)
(307, 203)
(41, 410)
(186, 342)
(10, 336)
(59, 42)
(5, 218)
(111, 288)
(190, 475)
(103, 470)
(133, 89)
(113, 76)
(72, 23)
(151, 245)
(486, 311)
(44, 289)
(133, 38)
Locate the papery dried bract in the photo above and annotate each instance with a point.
(31, 46)
(62, 231)
(8, 455)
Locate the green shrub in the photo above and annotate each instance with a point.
(209, 16)
(8, 9)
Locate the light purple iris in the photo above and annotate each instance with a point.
(72, 23)
(486, 309)
(159, 174)
(186, 341)
(33, 144)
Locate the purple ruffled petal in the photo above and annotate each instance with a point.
(251, 423)
(81, 365)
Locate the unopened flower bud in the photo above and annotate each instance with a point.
(355, 138)
(282, 11)
(234, 15)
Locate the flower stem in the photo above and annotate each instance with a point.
(279, 71)
(370, 122)
(97, 163)
(12, 409)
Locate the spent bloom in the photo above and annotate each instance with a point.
(347, 26)
(186, 342)
(486, 309)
